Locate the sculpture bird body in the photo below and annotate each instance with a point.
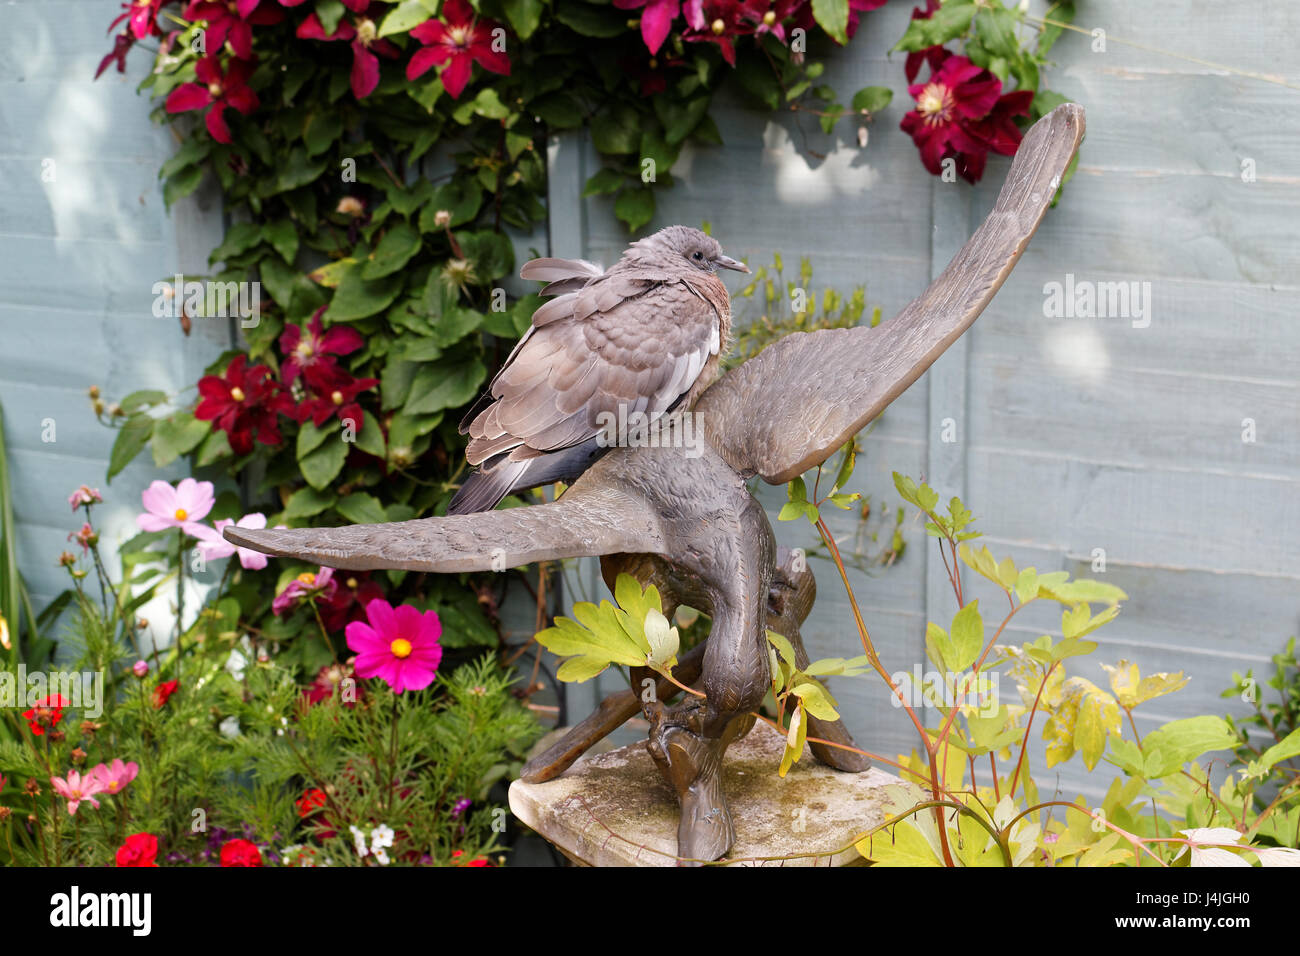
(612, 348)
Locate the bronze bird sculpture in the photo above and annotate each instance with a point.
(631, 344)
(687, 520)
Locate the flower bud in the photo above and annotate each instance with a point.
(78, 756)
(93, 391)
(140, 668)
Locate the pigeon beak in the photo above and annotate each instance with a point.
(727, 262)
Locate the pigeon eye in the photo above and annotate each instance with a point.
(698, 256)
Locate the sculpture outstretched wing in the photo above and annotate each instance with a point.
(586, 522)
(790, 407)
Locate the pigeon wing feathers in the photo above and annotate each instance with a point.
(790, 407)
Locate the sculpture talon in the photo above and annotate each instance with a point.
(682, 514)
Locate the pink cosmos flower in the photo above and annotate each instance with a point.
(85, 495)
(76, 789)
(181, 507)
(399, 646)
(306, 586)
(114, 778)
(86, 537)
(214, 546)
(459, 40)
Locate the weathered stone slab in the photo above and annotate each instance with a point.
(613, 809)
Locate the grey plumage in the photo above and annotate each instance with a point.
(643, 337)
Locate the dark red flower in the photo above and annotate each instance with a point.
(717, 21)
(362, 32)
(217, 90)
(946, 121)
(45, 713)
(140, 849)
(355, 590)
(240, 853)
(458, 40)
(934, 55)
(244, 402)
(333, 391)
(232, 20)
(141, 16)
(456, 860)
(122, 44)
(327, 684)
(770, 17)
(163, 693)
(304, 353)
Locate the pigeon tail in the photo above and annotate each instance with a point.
(500, 476)
(484, 489)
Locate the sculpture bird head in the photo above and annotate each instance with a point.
(679, 246)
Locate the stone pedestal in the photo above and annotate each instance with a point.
(613, 809)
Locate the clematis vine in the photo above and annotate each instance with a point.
(312, 350)
(455, 43)
(363, 35)
(216, 90)
(141, 18)
(233, 21)
(656, 20)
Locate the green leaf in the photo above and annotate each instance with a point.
(176, 435)
(404, 16)
(558, 110)
(310, 437)
(663, 640)
(130, 441)
(370, 438)
(591, 20)
(143, 398)
(361, 507)
(358, 297)
(680, 117)
(329, 12)
(524, 15)
(1285, 749)
(394, 251)
(833, 17)
(321, 130)
(181, 184)
(636, 207)
(447, 383)
(323, 465)
(307, 503)
(996, 28)
(872, 99)
(283, 237)
(948, 22)
(239, 239)
(460, 198)
(967, 637)
(1182, 741)
(192, 150)
(901, 845)
(816, 700)
(616, 131)
(603, 183)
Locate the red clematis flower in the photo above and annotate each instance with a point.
(218, 90)
(365, 44)
(46, 712)
(140, 16)
(334, 391)
(304, 354)
(934, 55)
(244, 402)
(348, 602)
(234, 21)
(652, 76)
(457, 42)
(122, 44)
(717, 21)
(770, 17)
(947, 120)
(163, 693)
(656, 20)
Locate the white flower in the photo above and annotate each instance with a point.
(229, 727)
(382, 856)
(1203, 855)
(237, 662)
(381, 836)
(360, 839)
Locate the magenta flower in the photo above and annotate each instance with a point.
(139, 15)
(86, 537)
(214, 546)
(311, 349)
(217, 90)
(113, 779)
(363, 34)
(76, 789)
(656, 21)
(181, 507)
(399, 646)
(306, 586)
(85, 495)
(232, 20)
(456, 42)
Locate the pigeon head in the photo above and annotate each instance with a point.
(684, 246)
